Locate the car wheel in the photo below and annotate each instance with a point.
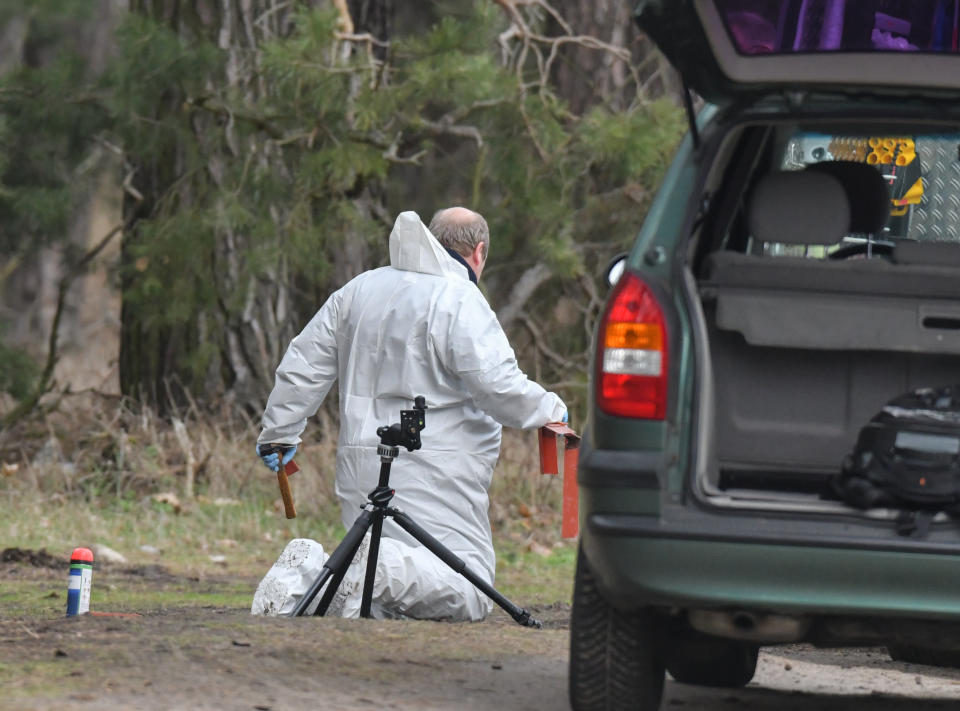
(922, 655)
(614, 661)
(693, 658)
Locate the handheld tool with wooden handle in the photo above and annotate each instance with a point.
(285, 470)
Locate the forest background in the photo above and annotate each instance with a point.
(184, 182)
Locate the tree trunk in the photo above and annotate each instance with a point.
(585, 77)
(88, 331)
(154, 357)
(246, 331)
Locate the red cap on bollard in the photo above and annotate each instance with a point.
(82, 555)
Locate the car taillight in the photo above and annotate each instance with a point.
(632, 353)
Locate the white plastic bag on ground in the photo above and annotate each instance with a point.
(291, 576)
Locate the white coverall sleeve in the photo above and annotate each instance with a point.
(304, 377)
(477, 350)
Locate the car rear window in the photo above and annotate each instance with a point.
(811, 26)
(922, 172)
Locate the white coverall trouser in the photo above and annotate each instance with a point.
(410, 582)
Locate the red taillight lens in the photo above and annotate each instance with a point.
(632, 353)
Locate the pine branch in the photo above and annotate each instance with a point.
(263, 123)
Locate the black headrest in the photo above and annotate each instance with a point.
(867, 192)
(799, 207)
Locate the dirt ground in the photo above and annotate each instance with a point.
(219, 657)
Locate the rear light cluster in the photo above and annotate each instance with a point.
(632, 353)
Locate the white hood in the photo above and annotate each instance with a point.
(414, 249)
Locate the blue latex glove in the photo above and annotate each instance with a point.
(565, 417)
(273, 460)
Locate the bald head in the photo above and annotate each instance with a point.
(458, 215)
(461, 230)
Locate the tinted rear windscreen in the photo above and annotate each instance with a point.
(804, 26)
(922, 173)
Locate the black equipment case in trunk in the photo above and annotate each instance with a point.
(908, 457)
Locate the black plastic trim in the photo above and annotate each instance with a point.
(638, 526)
(629, 469)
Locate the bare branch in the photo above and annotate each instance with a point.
(365, 38)
(536, 43)
(391, 155)
(458, 114)
(541, 345)
(262, 19)
(447, 127)
(261, 122)
(128, 186)
(522, 290)
(550, 10)
(541, 151)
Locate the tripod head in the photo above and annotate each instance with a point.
(406, 433)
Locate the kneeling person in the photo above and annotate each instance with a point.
(417, 327)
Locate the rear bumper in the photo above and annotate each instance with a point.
(629, 469)
(640, 560)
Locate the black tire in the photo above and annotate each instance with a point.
(614, 660)
(922, 655)
(694, 658)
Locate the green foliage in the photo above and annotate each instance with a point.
(155, 68)
(45, 129)
(170, 265)
(268, 173)
(635, 146)
(18, 371)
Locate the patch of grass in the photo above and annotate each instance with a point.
(188, 542)
(220, 552)
(246, 534)
(106, 475)
(131, 598)
(34, 599)
(36, 678)
(45, 597)
(530, 578)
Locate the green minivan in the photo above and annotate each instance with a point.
(799, 269)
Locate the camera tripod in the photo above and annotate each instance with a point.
(406, 433)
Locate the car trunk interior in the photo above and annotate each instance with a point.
(785, 417)
(805, 349)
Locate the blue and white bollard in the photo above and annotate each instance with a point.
(78, 589)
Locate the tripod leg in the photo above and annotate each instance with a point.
(336, 566)
(371, 566)
(459, 566)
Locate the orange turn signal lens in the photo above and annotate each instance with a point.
(646, 336)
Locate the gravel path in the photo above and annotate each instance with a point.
(801, 678)
(222, 658)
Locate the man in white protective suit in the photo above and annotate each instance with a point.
(417, 327)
